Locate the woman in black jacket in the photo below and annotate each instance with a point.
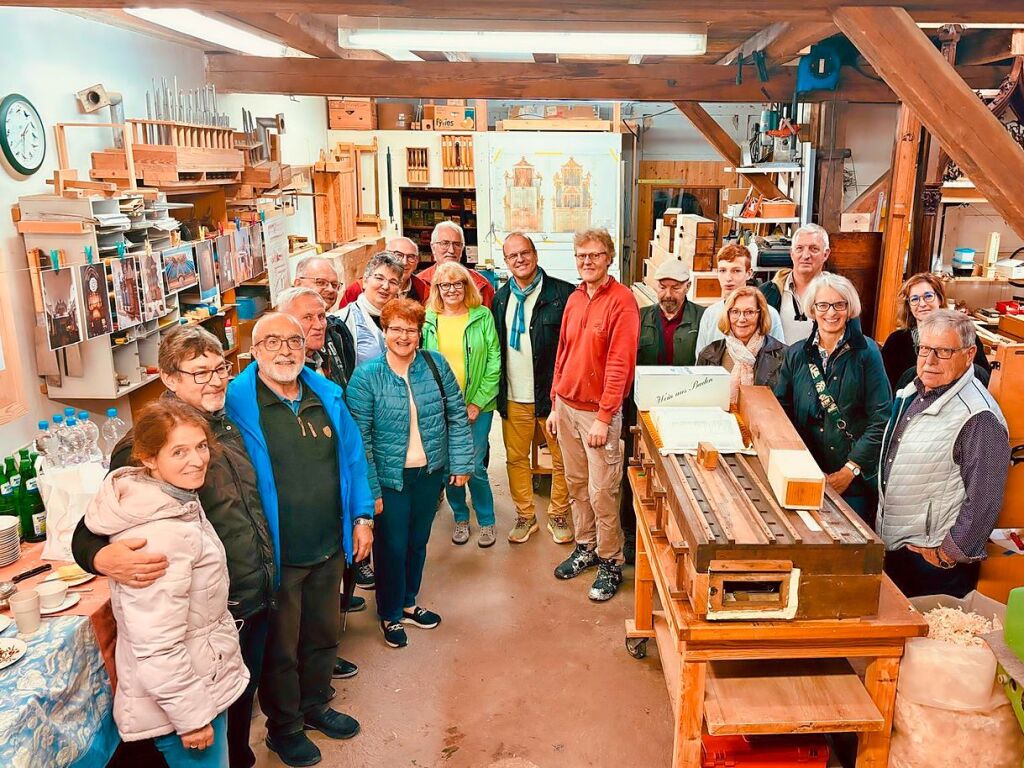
(842, 424)
(747, 351)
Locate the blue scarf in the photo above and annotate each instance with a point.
(519, 319)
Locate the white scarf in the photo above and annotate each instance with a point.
(366, 306)
(744, 356)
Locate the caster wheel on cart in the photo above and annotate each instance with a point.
(636, 647)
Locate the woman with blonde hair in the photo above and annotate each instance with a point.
(459, 327)
(747, 351)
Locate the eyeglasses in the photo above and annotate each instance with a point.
(378, 277)
(593, 257)
(408, 258)
(397, 331)
(927, 297)
(320, 283)
(206, 376)
(451, 287)
(444, 245)
(943, 353)
(520, 256)
(746, 314)
(274, 343)
(824, 306)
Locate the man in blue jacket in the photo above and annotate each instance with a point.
(312, 476)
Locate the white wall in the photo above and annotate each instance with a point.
(870, 134)
(673, 137)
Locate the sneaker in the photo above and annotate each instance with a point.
(394, 634)
(420, 617)
(576, 563)
(524, 528)
(609, 577)
(558, 527)
(344, 669)
(486, 537)
(294, 749)
(332, 723)
(364, 575)
(461, 533)
(353, 605)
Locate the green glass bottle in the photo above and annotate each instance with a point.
(7, 499)
(32, 513)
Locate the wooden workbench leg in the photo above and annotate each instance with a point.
(880, 681)
(643, 592)
(689, 713)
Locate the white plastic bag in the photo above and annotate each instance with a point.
(66, 494)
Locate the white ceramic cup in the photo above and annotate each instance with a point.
(52, 593)
(25, 607)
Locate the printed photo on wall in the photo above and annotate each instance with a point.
(154, 303)
(207, 270)
(243, 258)
(92, 278)
(259, 263)
(127, 306)
(60, 304)
(225, 262)
(179, 268)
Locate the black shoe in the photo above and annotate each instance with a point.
(394, 634)
(332, 723)
(576, 563)
(354, 605)
(364, 575)
(609, 577)
(629, 550)
(343, 669)
(294, 749)
(420, 617)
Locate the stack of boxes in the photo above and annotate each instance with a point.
(691, 239)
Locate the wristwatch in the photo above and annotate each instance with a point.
(367, 521)
(853, 468)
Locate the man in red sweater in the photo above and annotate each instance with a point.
(447, 242)
(593, 372)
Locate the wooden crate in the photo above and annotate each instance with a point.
(351, 114)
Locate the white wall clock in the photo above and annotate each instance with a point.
(22, 138)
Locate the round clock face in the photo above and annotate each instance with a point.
(21, 134)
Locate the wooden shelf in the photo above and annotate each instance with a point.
(780, 168)
(785, 220)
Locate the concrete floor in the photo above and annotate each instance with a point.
(523, 672)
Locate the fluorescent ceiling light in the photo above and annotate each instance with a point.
(983, 25)
(611, 43)
(210, 29)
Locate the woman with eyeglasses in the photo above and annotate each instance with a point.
(747, 351)
(462, 329)
(834, 389)
(919, 295)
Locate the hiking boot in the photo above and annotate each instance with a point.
(294, 749)
(609, 577)
(364, 575)
(461, 533)
(580, 560)
(332, 723)
(394, 634)
(558, 527)
(343, 669)
(420, 617)
(486, 537)
(524, 528)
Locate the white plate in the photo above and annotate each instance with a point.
(69, 601)
(12, 644)
(5, 622)
(74, 582)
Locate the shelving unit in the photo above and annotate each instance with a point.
(740, 220)
(795, 179)
(424, 208)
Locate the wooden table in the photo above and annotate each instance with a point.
(766, 677)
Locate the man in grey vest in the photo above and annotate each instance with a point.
(944, 461)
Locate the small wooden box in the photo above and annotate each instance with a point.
(795, 479)
(351, 115)
(777, 209)
(705, 288)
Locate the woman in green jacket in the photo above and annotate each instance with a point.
(462, 330)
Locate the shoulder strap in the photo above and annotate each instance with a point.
(437, 378)
(828, 403)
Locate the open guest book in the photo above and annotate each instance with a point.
(682, 428)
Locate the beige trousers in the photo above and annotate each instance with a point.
(517, 431)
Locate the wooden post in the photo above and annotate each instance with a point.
(129, 156)
(880, 682)
(643, 595)
(689, 713)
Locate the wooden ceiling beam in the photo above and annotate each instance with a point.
(926, 83)
(669, 81)
(303, 32)
(782, 41)
(990, 45)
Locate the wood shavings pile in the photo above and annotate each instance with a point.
(953, 625)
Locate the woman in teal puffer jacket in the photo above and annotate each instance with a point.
(417, 437)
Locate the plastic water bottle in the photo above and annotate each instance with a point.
(60, 441)
(112, 431)
(43, 444)
(92, 437)
(76, 441)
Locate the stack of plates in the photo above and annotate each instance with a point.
(10, 546)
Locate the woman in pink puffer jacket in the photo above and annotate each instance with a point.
(179, 666)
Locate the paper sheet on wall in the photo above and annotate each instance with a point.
(681, 429)
(275, 239)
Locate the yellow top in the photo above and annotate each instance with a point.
(451, 333)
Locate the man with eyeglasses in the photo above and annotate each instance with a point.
(381, 282)
(297, 428)
(447, 243)
(944, 463)
(594, 369)
(193, 368)
(408, 253)
(318, 272)
(785, 291)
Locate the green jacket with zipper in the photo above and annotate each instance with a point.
(482, 351)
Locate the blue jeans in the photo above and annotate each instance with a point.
(400, 538)
(479, 484)
(178, 755)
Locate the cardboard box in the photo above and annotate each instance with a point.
(445, 118)
(570, 112)
(351, 115)
(395, 116)
(733, 196)
(672, 385)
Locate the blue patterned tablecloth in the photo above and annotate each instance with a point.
(56, 702)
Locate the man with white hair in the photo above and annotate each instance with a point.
(785, 291)
(944, 463)
(406, 251)
(330, 347)
(447, 243)
(295, 427)
(318, 272)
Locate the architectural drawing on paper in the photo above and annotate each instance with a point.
(573, 204)
(523, 200)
